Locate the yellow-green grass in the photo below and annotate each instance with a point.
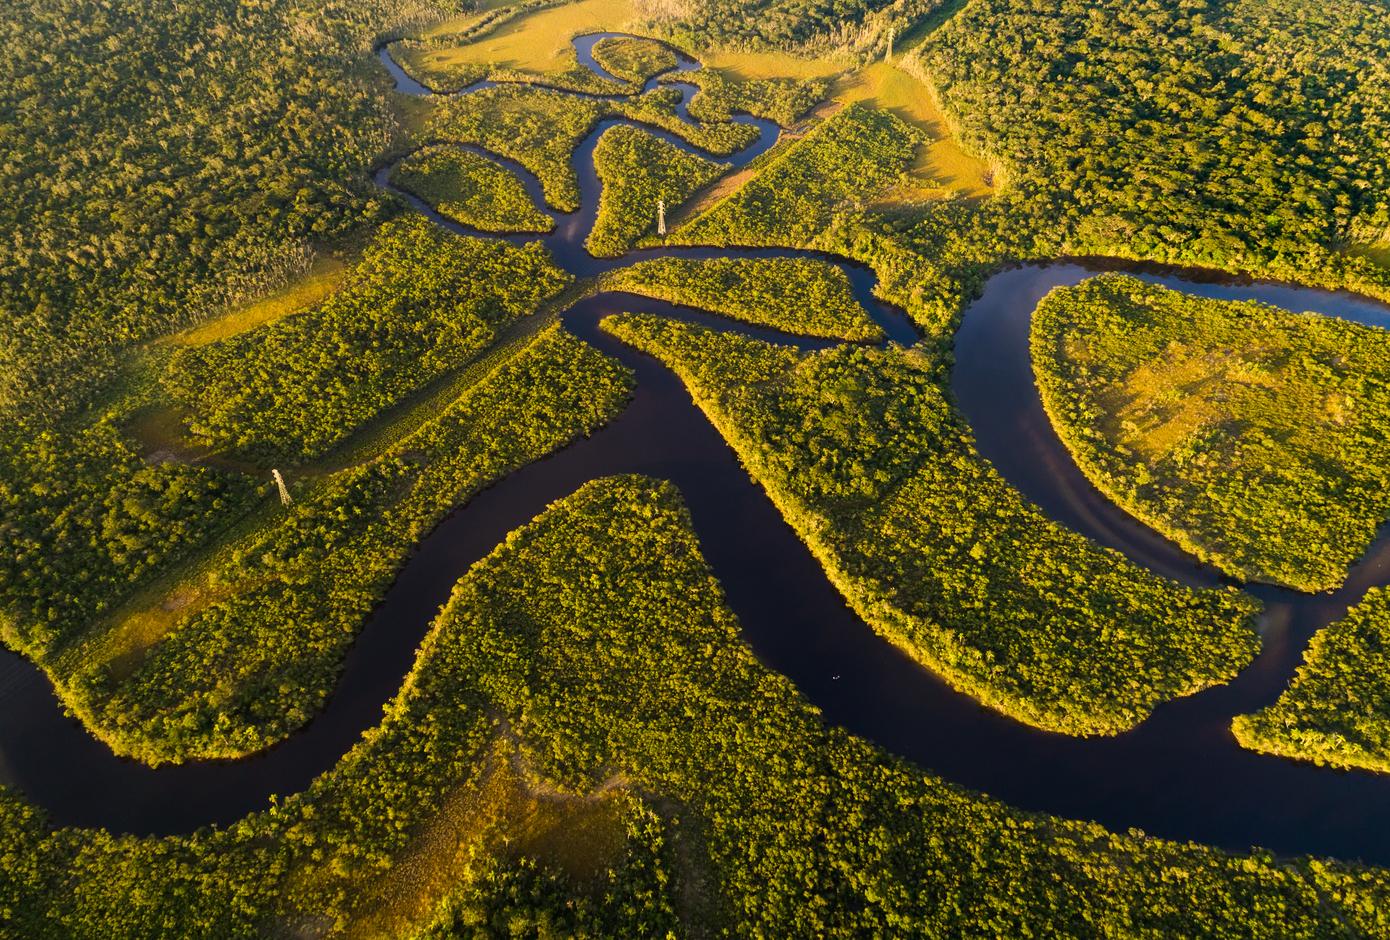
(320, 281)
(1252, 436)
(941, 165)
(1376, 252)
(745, 66)
(536, 43)
(506, 812)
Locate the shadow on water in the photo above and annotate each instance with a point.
(1180, 774)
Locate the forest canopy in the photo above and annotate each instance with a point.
(1252, 436)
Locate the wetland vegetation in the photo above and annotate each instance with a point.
(865, 458)
(202, 282)
(1251, 436)
(1337, 709)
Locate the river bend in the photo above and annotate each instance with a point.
(1180, 774)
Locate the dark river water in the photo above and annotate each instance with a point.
(1180, 774)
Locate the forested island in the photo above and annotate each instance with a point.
(1252, 436)
(493, 469)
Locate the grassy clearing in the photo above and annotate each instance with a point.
(503, 813)
(538, 43)
(748, 66)
(941, 167)
(320, 281)
(1378, 253)
(1253, 437)
(848, 160)
(1337, 709)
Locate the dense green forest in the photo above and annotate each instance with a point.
(784, 100)
(1337, 709)
(540, 128)
(531, 776)
(421, 302)
(162, 159)
(253, 649)
(470, 189)
(848, 159)
(1251, 436)
(1242, 134)
(852, 31)
(637, 171)
(632, 59)
(796, 295)
(585, 746)
(85, 519)
(866, 458)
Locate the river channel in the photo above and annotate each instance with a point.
(1180, 774)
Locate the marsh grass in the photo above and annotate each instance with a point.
(1252, 436)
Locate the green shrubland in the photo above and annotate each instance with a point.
(419, 303)
(637, 171)
(863, 454)
(1337, 709)
(534, 752)
(797, 295)
(470, 189)
(843, 162)
(168, 159)
(658, 108)
(1251, 436)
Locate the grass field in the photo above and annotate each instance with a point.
(322, 279)
(752, 65)
(941, 164)
(1252, 436)
(1379, 252)
(539, 42)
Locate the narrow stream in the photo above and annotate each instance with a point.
(1180, 774)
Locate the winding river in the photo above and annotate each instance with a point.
(1180, 774)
